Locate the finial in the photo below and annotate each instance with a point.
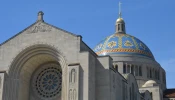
(120, 10)
(120, 23)
(40, 16)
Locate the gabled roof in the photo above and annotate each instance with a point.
(41, 21)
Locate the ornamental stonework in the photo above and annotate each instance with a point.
(40, 27)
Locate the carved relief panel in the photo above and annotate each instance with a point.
(73, 83)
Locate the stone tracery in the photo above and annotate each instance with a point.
(47, 81)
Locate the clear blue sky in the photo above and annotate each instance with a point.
(152, 21)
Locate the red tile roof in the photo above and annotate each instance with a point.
(169, 93)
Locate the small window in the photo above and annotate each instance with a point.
(124, 68)
(128, 69)
(118, 27)
(123, 27)
(140, 71)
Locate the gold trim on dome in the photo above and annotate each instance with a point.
(124, 50)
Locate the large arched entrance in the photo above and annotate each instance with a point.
(38, 73)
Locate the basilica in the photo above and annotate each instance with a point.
(44, 62)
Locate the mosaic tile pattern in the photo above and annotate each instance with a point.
(122, 44)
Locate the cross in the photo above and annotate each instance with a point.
(120, 10)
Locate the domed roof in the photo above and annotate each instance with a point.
(149, 83)
(121, 43)
(120, 20)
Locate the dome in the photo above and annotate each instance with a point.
(120, 20)
(121, 43)
(149, 83)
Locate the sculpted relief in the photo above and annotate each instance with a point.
(39, 28)
(72, 77)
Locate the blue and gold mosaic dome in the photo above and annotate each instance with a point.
(121, 43)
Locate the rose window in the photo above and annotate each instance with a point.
(47, 81)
